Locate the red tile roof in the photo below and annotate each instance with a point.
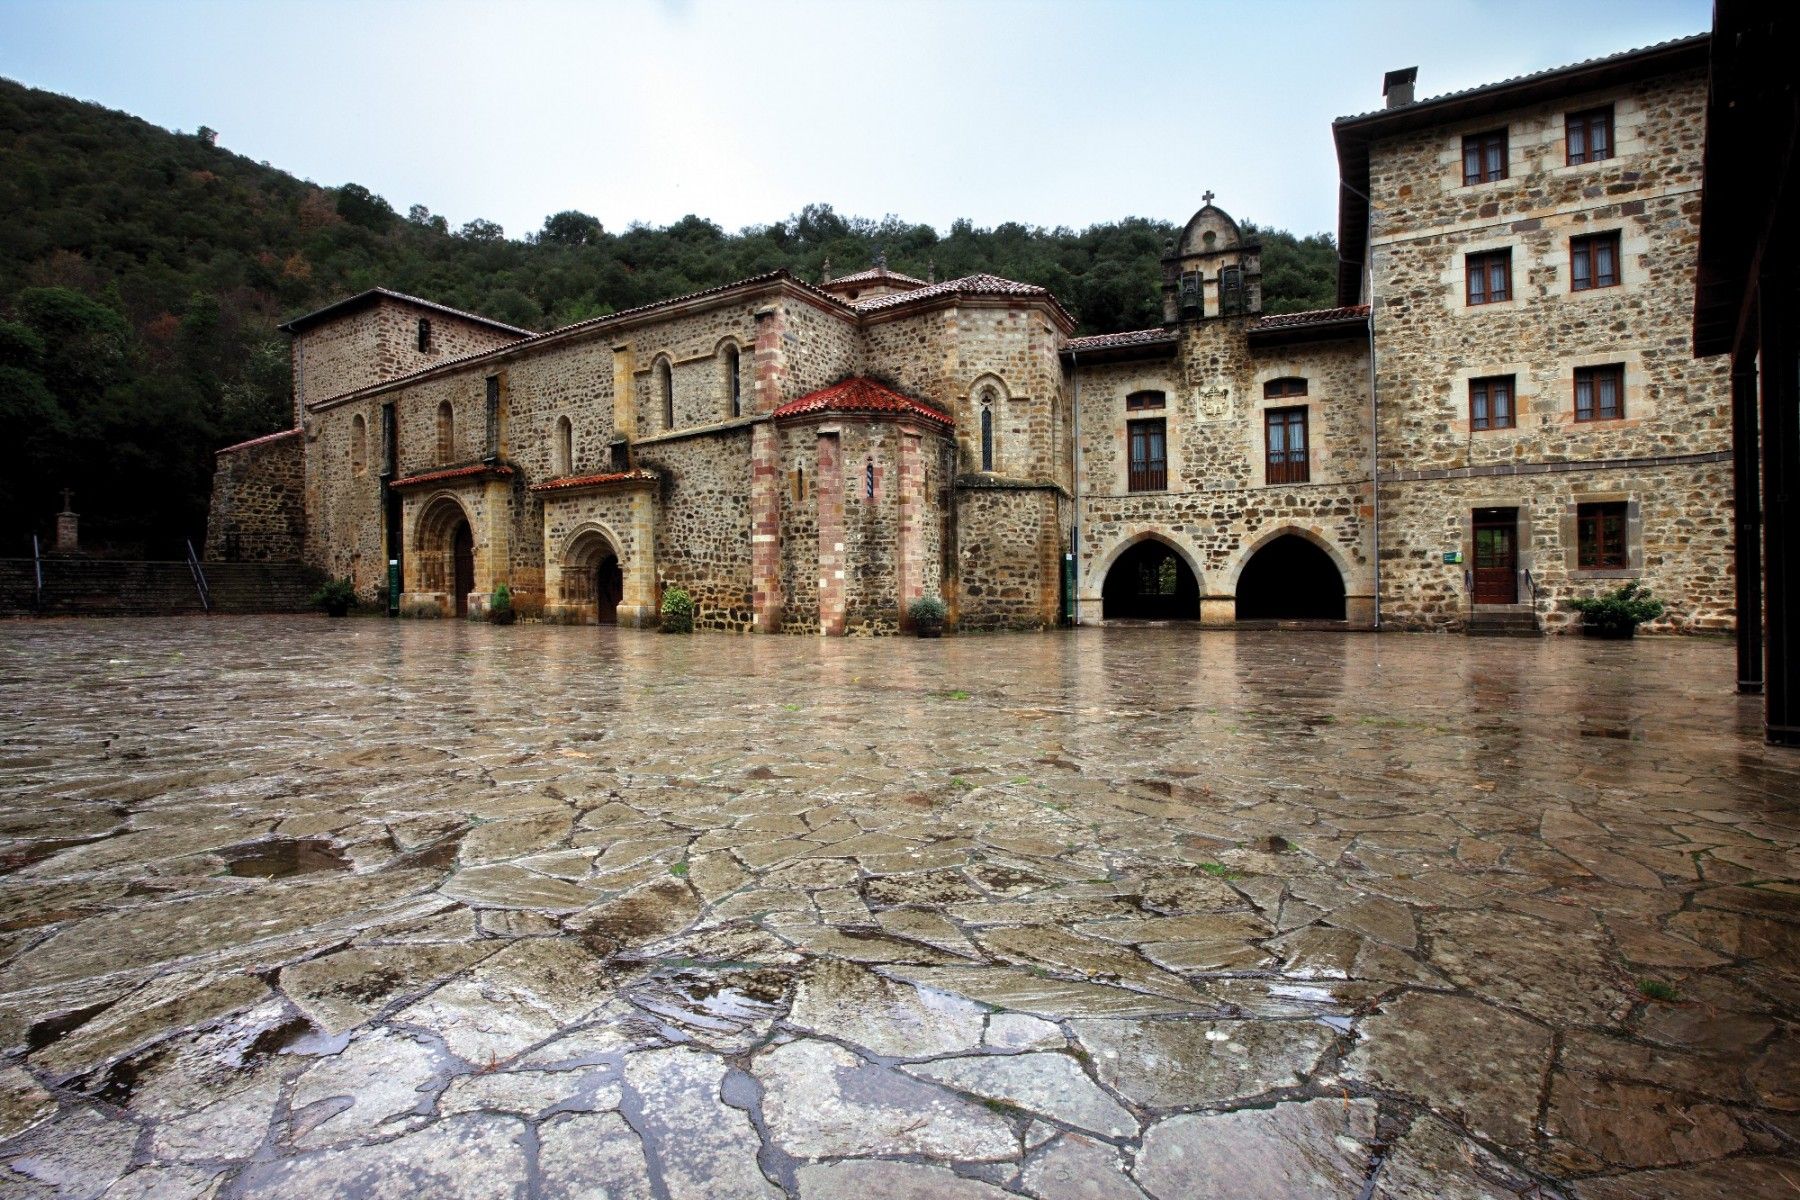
(860, 394)
(1317, 316)
(1134, 337)
(875, 275)
(968, 285)
(362, 299)
(257, 441)
(570, 482)
(491, 470)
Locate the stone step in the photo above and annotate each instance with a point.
(1503, 623)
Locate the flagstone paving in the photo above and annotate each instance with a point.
(291, 907)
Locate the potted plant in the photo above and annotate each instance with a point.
(1618, 613)
(677, 611)
(336, 596)
(500, 606)
(927, 616)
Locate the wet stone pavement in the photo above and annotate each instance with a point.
(291, 907)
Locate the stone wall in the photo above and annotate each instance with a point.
(1009, 544)
(380, 342)
(1431, 343)
(258, 510)
(703, 522)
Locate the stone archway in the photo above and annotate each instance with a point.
(1150, 580)
(443, 548)
(592, 578)
(1289, 576)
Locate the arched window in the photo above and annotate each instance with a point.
(665, 392)
(565, 447)
(987, 431)
(359, 445)
(734, 387)
(446, 433)
(1278, 388)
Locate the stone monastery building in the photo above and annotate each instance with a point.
(1503, 412)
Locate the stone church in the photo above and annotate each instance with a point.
(1502, 413)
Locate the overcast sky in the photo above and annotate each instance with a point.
(1049, 112)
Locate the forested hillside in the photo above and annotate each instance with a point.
(143, 272)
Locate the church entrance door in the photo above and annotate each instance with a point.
(462, 579)
(609, 589)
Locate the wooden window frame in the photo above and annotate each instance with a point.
(1144, 473)
(1279, 389)
(1490, 394)
(1591, 378)
(1479, 147)
(1603, 536)
(1586, 254)
(1586, 122)
(1282, 466)
(1146, 401)
(1480, 267)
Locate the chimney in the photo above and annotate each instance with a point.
(1397, 86)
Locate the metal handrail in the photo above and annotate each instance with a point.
(37, 563)
(1532, 584)
(199, 577)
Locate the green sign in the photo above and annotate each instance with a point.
(1453, 556)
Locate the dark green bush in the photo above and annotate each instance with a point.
(677, 611)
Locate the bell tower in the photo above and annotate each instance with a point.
(1212, 271)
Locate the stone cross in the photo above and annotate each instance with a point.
(68, 499)
(1206, 198)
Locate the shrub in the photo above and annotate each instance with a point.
(677, 611)
(336, 596)
(1625, 607)
(502, 598)
(927, 610)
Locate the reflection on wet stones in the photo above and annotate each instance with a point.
(1179, 922)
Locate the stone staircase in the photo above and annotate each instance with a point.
(1508, 620)
(112, 587)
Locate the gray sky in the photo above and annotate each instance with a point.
(1049, 112)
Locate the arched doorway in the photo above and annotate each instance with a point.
(1150, 582)
(593, 580)
(1290, 579)
(462, 556)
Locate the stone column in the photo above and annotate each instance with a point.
(910, 570)
(624, 392)
(770, 360)
(637, 606)
(68, 526)
(765, 528)
(829, 480)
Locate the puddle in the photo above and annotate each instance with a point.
(439, 856)
(55, 1028)
(714, 1004)
(278, 858)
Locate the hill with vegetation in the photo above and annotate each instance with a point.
(143, 272)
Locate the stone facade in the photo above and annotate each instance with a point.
(258, 509)
(812, 459)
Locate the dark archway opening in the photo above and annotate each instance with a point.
(1290, 579)
(462, 578)
(609, 589)
(1150, 582)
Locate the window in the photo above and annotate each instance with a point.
(1484, 157)
(1491, 403)
(1285, 434)
(1594, 261)
(1600, 537)
(1589, 135)
(665, 392)
(869, 479)
(987, 437)
(1275, 389)
(424, 334)
(446, 433)
(733, 382)
(359, 445)
(1599, 393)
(565, 447)
(1489, 276)
(1149, 447)
(1139, 401)
(1231, 291)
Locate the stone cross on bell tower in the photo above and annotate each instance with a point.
(68, 525)
(1206, 197)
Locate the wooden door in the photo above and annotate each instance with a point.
(1496, 556)
(462, 580)
(609, 588)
